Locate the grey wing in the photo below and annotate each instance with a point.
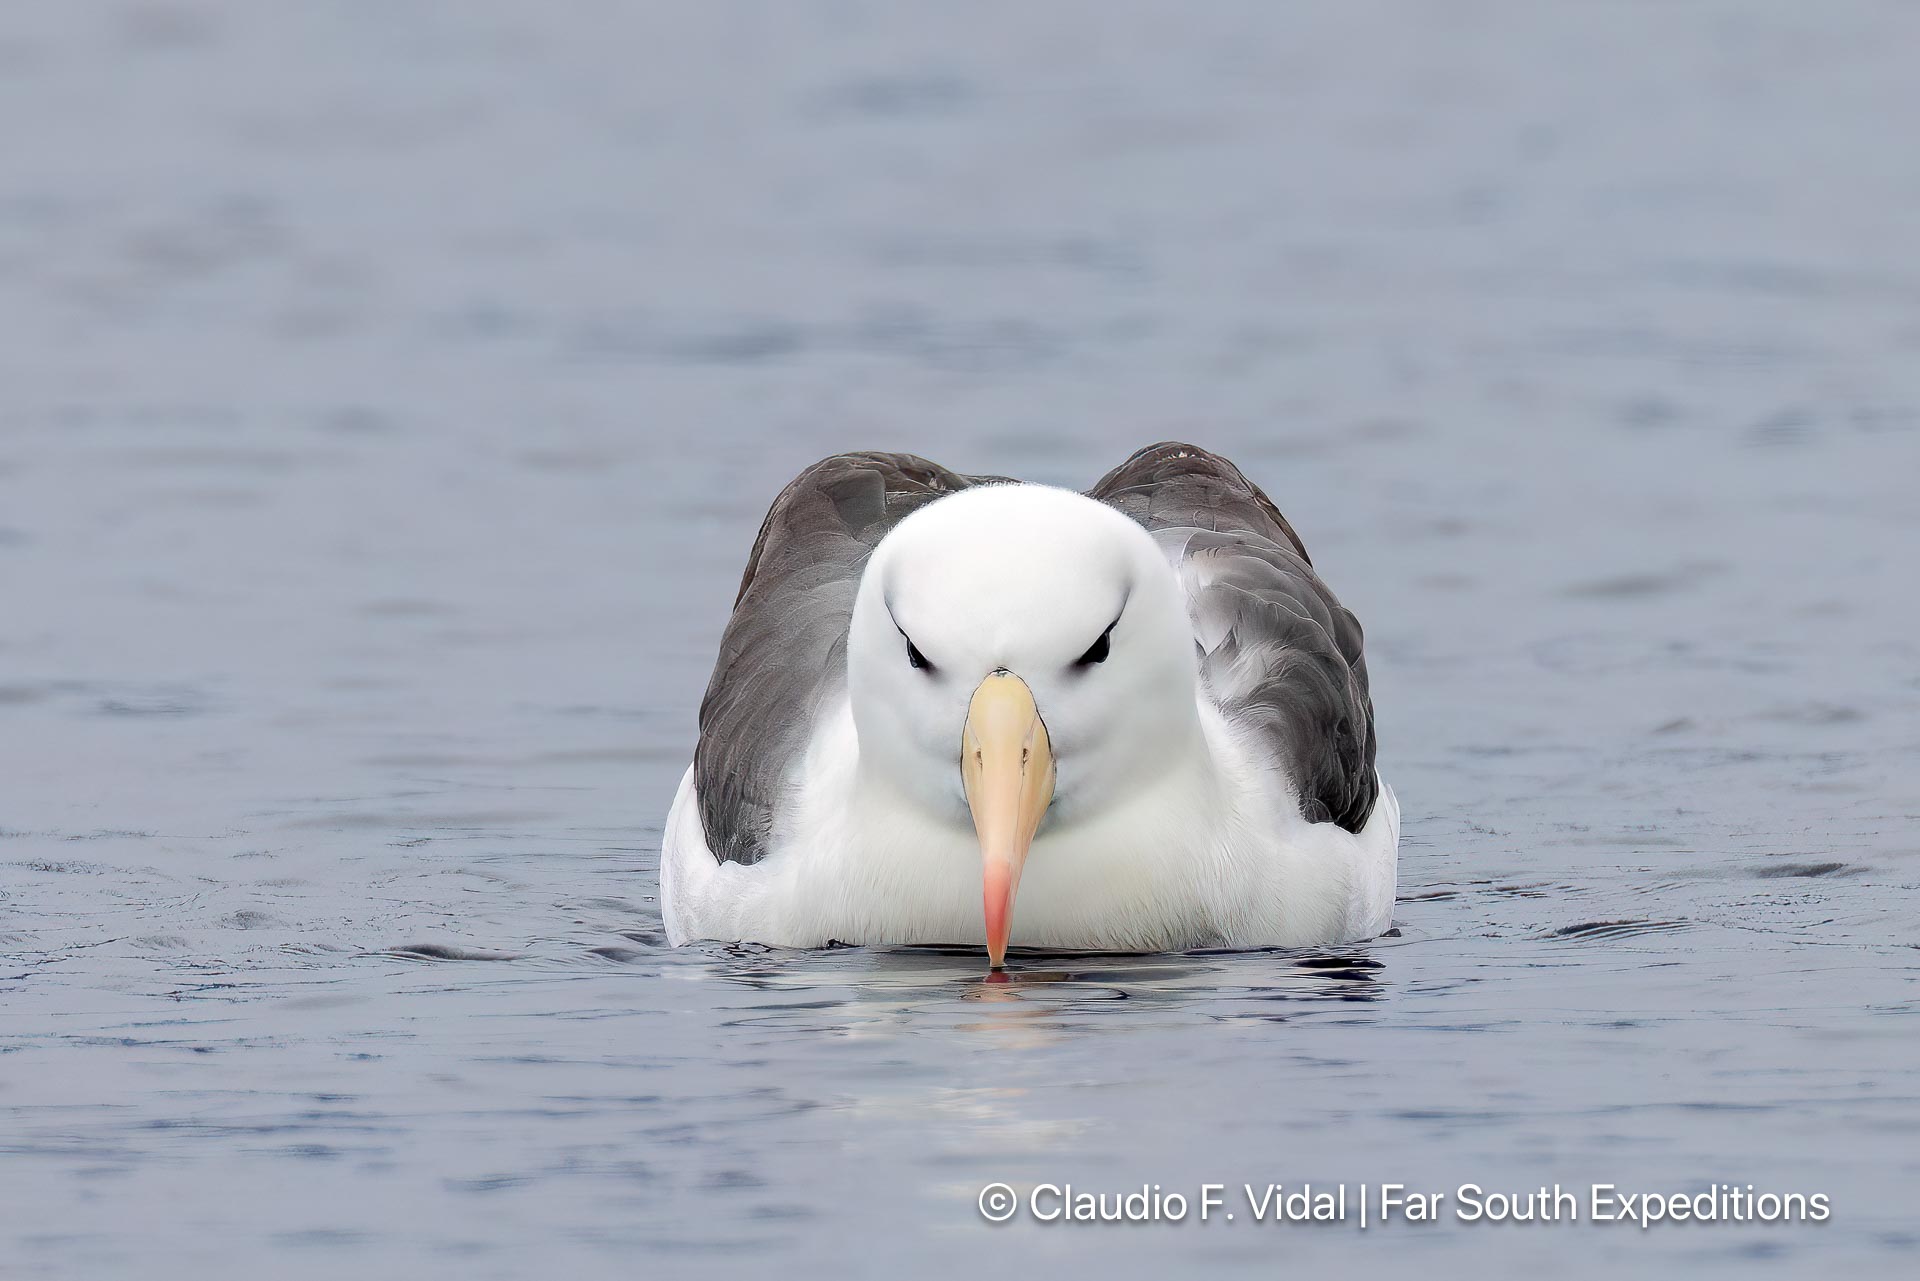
(784, 649)
(1279, 654)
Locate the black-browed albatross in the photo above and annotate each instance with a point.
(960, 709)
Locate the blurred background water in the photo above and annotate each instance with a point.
(389, 393)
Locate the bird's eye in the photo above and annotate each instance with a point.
(916, 659)
(1097, 652)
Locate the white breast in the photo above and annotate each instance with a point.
(1216, 854)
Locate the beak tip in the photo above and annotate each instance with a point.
(997, 900)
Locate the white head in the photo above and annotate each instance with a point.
(1020, 653)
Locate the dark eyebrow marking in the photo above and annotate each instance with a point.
(914, 657)
(1102, 645)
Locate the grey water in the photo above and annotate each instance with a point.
(389, 395)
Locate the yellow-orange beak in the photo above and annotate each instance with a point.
(1006, 763)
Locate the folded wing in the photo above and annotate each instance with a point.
(1279, 655)
(784, 649)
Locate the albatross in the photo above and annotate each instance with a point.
(955, 709)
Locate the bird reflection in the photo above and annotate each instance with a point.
(1042, 993)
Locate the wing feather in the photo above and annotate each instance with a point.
(784, 648)
(1281, 657)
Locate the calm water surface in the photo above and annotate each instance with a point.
(389, 395)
